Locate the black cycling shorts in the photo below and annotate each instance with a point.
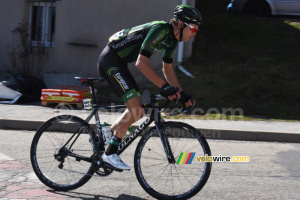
(115, 71)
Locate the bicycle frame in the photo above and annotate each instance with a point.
(154, 117)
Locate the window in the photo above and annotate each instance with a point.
(42, 23)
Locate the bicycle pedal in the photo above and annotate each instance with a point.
(107, 165)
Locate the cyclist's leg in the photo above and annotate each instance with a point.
(133, 113)
(134, 110)
(115, 72)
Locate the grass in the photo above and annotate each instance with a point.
(245, 62)
(212, 116)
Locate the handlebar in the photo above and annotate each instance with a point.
(157, 97)
(154, 98)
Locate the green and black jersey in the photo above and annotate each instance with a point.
(125, 46)
(146, 39)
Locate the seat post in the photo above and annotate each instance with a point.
(91, 84)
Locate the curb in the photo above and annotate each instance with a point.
(207, 133)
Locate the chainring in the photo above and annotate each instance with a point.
(98, 167)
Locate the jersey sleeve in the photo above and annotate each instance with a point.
(168, 54)
(154, 36)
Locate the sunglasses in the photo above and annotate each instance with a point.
(194, 29)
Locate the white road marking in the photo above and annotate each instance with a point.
(5, 157)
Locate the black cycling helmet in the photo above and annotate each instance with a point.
(187, 14)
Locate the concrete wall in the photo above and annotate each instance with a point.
(85, 22)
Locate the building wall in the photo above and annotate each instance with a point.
(85, 22)
(11, 14)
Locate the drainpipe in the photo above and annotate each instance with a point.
(180, 54)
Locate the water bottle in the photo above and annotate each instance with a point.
(107, 134)
(129, 131)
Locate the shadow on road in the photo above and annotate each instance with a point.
(85, 196)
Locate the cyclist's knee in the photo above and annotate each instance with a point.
(140, 112)
(134, 106)
(137, 111)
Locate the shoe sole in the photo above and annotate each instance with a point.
(107, 165)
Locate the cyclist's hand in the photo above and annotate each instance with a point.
(169, 91)
(187, 100)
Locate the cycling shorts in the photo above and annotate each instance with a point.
(115, 71)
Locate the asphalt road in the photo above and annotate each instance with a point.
(272, 173)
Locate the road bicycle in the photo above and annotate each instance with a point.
(66, 152)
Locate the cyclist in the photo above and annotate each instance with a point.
(138, 44)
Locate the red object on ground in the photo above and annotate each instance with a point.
(70, 94)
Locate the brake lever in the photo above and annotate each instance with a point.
(190, 107)
(193, 104)
(175, 113)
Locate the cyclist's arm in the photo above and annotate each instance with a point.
(144, 66)
(170, 75)
(172, 80)
(156, 34)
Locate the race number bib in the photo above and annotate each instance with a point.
(87, 104)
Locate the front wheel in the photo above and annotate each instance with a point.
(164, 180)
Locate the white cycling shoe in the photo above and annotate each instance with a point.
(115, 161)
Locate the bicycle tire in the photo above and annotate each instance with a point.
(48, 140)
(151, 164)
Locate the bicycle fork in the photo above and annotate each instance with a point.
(163, 138)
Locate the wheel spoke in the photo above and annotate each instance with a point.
(155, 172)
(149, 166)
(162, 157)
(177, 169)
(161, 173)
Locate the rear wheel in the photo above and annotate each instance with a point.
(257, 7)
(180, 180)
(52, 162)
